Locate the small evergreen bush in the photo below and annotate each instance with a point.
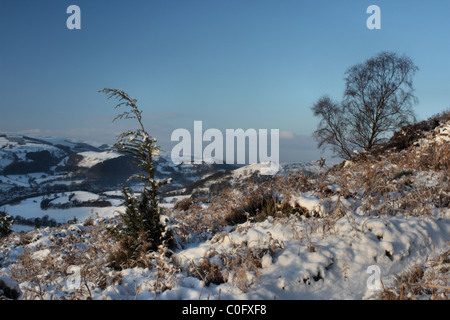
(140, 229)
(6, 222)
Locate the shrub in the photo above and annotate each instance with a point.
(141, 229)
(402, 173)
(259, 204)
(183, 204)
(45, 221)
(45, 203)
(6, 222)
(255, 204)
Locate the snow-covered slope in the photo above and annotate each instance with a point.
(91, 158)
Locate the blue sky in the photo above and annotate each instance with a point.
(230, 63)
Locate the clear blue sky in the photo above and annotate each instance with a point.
(230, 63)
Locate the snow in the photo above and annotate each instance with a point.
(323, 256)
(21, 228)
(266, 168)
(30, 208)
(298, 272)
(22, 150)
(443, 133)
(40, 254)
(4, 162)
(91, 158)
(299, 261)
(309, 201)
(81, 196)
(440, 135)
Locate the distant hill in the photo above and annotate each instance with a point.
(30, 166)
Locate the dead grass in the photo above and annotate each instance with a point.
(239, 265)
(428, 281)
(207, 272)
(49, 272)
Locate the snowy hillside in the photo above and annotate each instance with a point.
(375, 228)
(31, 167)
(91, 158)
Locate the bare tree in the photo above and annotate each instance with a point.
(378, 99)
(332, 129)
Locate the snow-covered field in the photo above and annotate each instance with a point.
(31, 208)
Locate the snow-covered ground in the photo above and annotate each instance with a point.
(274, 259)
(363, 230)
(332, 266)
(278, 258)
